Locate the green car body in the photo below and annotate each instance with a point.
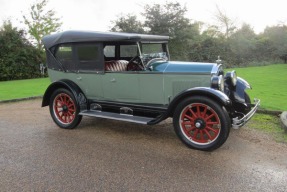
(130, 77)
(148, 87)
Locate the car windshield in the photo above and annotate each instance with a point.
(153, 51)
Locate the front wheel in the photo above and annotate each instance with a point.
(64, 109)
(201, 123)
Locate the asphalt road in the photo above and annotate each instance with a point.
(105, 155)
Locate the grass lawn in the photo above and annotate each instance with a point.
(23, 88)
(268, 124)
(269, 83)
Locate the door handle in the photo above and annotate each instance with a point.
(113, 80)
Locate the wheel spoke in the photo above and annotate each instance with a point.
(212, 123)
(62, 115)
(59, 103)
(195, 134)
(190, 118)
(198, 111)
(204, 112)
(61, 98)
(207, 133)
(67, 100)
(70, 114)
(207, 118)
(68, 118)
(72, 110)
(193, 114)
(201, 135)
(59, 109)
(64, 100)
(72, 104)
(187, 123)
(211, 129)
(188, 129)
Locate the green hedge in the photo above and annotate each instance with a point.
(18, 58)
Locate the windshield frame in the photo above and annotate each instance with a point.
(164, 47)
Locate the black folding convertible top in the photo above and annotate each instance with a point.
(93, 36)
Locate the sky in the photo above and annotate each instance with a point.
(97, 14)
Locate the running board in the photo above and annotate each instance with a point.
(116, 116)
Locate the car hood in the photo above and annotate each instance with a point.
(185, 67)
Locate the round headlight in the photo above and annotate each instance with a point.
(231, 77)
(221, 83)
(217, 82)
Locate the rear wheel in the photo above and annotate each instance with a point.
(64, 109)
(201, 123)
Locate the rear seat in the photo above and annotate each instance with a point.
(116, 65)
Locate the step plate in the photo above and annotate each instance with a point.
(115, 116)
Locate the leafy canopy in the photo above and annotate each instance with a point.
(41, 22)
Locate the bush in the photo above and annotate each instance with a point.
(18, 58)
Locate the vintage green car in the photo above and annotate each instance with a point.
(129, 77)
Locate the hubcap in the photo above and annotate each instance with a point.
(200, 124)
(197, 125)
(65, 108)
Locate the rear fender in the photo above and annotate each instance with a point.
(69, 85)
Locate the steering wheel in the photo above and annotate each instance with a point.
(135, 64)
(152, 61)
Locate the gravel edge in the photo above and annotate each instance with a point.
(21, 99)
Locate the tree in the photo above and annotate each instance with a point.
(19, 59)
(277, 36)
(128, 23)
(41, 22)
(216, 37)
(243, 45)
(169, 19)
(225, 23)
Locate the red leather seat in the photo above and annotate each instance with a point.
(116, 65)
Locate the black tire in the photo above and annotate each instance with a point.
(64, 109)
(201, 123)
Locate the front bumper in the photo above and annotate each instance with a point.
(237, 123)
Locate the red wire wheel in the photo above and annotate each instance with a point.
(64, 109)
(201, 123)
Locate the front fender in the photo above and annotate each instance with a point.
(239, 92)
(216, 95)
(69, 85)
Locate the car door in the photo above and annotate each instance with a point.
(121, 86)
(90, 69)
(151, 87)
